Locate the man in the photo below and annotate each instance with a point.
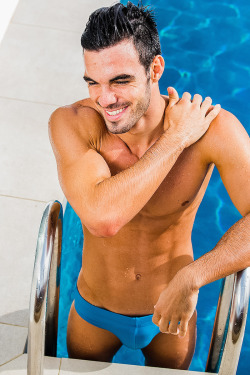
(135, 165)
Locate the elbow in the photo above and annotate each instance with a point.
(104, 229)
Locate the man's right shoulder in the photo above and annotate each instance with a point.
(80, 118)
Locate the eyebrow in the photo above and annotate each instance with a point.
(87, 79)
(123, 76)
(116, 78)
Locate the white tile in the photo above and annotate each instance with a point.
(58, 14)
(17, 317)
(75, 366)
(7, 9)
(12, 341)
(41, 65)
(19, 366)
(27, 163)
(45, 64)
(19, 225)
(72, 367)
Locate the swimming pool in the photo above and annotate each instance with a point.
(206, 49)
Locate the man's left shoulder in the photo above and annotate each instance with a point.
(225, 124)
(224, 133)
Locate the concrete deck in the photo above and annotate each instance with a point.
(65, 366)
(41, 68)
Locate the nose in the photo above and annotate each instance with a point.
(107, 97)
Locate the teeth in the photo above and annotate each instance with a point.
(113, 113)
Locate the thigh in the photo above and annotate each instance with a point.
(170, 351)
(86, 341)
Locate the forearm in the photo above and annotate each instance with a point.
(231, 254)
(122, 196)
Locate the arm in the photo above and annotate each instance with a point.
(232, 158)
(106, 203)
(227, 146)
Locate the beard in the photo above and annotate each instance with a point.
(141, 107)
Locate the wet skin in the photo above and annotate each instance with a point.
(126, 270)
(128, 279)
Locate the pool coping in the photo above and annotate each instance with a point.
(66, 366)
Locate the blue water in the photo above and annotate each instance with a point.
(206, 47)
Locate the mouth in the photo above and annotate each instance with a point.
(115, 115)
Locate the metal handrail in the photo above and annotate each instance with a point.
(44, 296)
(229, 324)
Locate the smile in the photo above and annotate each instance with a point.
(113, 113)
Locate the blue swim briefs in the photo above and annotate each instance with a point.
(134, 332)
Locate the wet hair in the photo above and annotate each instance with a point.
(110, 25)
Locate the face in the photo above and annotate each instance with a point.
(118, 85)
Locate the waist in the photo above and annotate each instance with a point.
(90, 308)
(127, 290)
(127, 274)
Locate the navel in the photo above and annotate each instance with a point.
(184, 203)
(138, 276)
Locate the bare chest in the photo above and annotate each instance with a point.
(183, 186)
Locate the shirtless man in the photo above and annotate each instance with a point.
(135, 165)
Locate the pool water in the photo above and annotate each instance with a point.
(206, 47)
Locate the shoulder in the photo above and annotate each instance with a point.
(80, 120)
(224, 120)
(80, 116)
(224, 133)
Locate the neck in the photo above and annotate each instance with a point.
(150, 126)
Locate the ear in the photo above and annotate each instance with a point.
(157, 68)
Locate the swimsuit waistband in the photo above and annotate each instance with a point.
(92, 309)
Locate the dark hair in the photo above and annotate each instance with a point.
(110, 25)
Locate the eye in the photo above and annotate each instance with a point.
(91, 83)
(121, 82)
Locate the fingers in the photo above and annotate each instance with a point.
(206, 104)
(160, 321)
(156, 318)
(197, 99)
(183, 327)
(173, 96)
(186, 96)
(164, 325)
(213, 113)
(173, 327)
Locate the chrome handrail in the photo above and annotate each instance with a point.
(229, 324)
(44, 296)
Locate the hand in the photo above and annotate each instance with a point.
(175, 306)
(188, 120)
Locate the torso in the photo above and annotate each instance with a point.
(127, 272)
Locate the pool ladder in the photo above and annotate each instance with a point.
(229, 324)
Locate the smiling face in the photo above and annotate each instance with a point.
(118, 84)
